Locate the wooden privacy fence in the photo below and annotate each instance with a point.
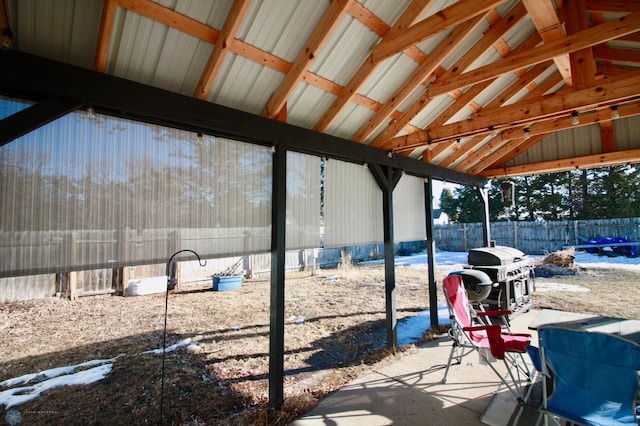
(535, 237)
(530, 237)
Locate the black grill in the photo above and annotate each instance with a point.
(512, 270)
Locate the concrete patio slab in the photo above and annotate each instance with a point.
(410, 392)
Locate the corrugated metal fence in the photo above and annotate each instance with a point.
(535, 237)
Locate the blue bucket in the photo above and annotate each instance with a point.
(230, 282)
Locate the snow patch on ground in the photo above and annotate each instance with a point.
(544, 287)
(20, 395)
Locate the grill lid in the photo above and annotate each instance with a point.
(495, 256)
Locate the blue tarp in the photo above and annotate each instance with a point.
(629, 251)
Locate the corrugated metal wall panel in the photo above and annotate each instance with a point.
(349, 120)
(627, 131)
(388, 11)
(345, 51)
(244, 84)
(281, 27)
(388, 77)
(57, 29)
(409, 219)
(303, 201)
(307, 104)
(135, 54)
(353, 205)
(432, 111)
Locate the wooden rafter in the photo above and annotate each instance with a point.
(571, 43)
(594, 69)
(585, 162)
(618, 90)
(443, 20)
(490, 38)
(222, 45)
(427, 68)
(583, 67)
(631, 56)
(104, 34)
(544, 17)
(522, 83)
(366, 69)
(323, 30)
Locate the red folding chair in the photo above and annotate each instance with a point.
(490, 341)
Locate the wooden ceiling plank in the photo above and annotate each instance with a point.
(104, 34)
(443, 20)
(413, 11)
(583, 39)
(321, 33)
(616, 90)
(221, 47)
(585, 162)
(544, 18)
(583, 67)
(452, 41)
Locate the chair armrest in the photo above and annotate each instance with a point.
(493, 313)
(482, 327)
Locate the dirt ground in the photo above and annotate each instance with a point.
(334, 333)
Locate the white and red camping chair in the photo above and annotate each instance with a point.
(489, 341)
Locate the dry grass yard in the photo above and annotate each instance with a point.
(334, 333)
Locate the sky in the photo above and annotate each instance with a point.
(16, 391)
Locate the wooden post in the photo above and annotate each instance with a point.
(121, 274)
(71, 277)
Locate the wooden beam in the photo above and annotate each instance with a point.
(544, 17)
(525, 79)
(608, 136)
(221, 47)
(510, 150)
(614, 6)
(602, 115)
(583, 39)
(631, 56)
(349, 91)
(614, 90)
(440, 21)
(171, 19)
(452, 41)
(483, 152)
(583, 67)
(585, 162)
(323, 30)
(104, 34)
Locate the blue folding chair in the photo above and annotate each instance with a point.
(595, 377)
